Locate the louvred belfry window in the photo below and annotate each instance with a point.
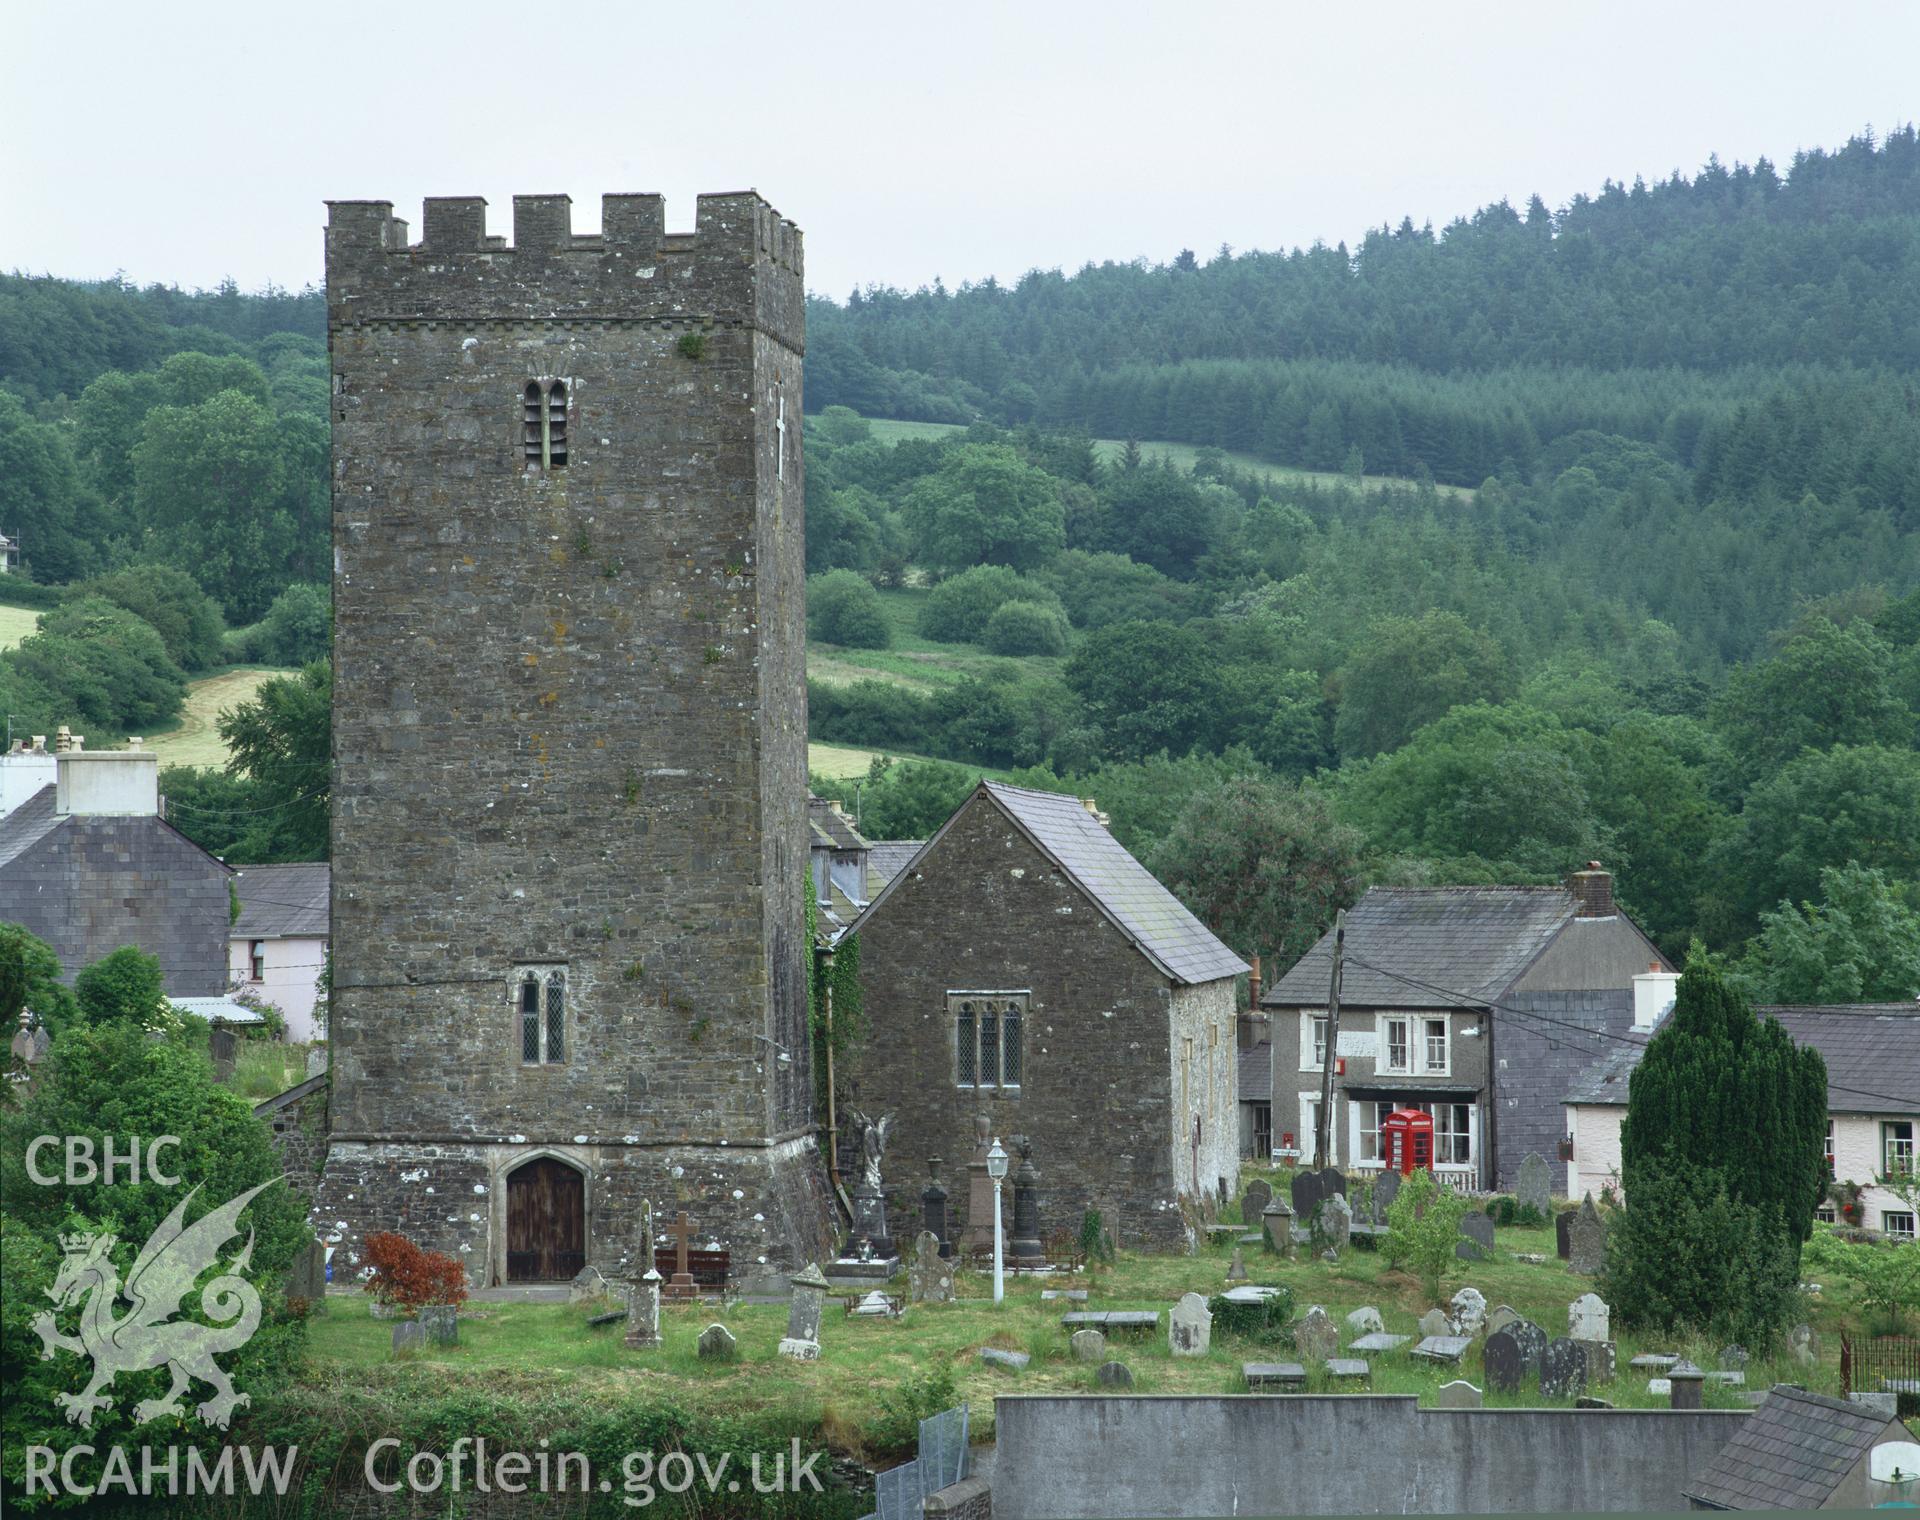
(543, 424)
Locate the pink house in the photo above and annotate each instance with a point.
(278, 945)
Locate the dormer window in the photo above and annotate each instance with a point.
(543, 424)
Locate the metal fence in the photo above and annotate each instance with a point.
(1884, 1364)
(941, 1460)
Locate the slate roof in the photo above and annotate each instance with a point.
(1256, 1073)
(830, 828)
(283, 902)
(28, 824)
(886, 858)
(1126, 892)
(1790, 1453)
(1870, 1049)
(1470, 940)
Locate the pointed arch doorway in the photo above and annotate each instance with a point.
(546, 1221)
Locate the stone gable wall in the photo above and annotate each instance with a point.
(984, 909)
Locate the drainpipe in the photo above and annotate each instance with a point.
(833, 1128)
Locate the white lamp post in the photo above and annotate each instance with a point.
(997, 1170)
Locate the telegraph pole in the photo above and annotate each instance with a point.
(1323, 1130)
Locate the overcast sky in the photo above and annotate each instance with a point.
(192, 141)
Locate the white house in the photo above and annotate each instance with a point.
(1872, 1051)
(278, 944)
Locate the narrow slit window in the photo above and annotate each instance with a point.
(1010, 1045)
(989, 1047)
(530, 1021)
(966, 1049)
(543, 424)
(557, 425)
(556, 1018)
(530, 427)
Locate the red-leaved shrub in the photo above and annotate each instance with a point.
(409, 1278)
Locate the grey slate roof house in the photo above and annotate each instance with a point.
(89, 865)
(885, 857)
(1023, 966)
(837, 856)
(1798, 1450)
(1477, 1004)
(1872, 1051)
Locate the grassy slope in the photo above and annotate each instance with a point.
(15, 624)
(863, 1360)
(1181, 455)
(912, 661)
(196, 740)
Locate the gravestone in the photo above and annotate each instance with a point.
(1316, 1337)
(440, 1323)
(1289, 1377)
(1336, 1222)
(1088, 1345)
(1303, 1190)
(1386, 1188)
(1442, 1348)
(1601, 1361)
(1459, 1394)
(1469, 1311)
(1500, 1317)
(933, 1208)
(316, 1061)
(1347, 1368)
(1476, 1236)
(1532, 1339)
(1277, 1225)
(1534, 1189)
(1379, 1342)
(1332, 1181)
(1684, 1384)
(1253, 1203)
(1563, 1369)
(717, 1344)
(1803, 1345)
(1435, 1322)
(1586, 1401)
(1366, 1321)
(1587, 1241)
(612, 1316)
(1028, 1249)
(1190, 1326)
(643, 1313)
(1504, 1362)
(1237, 1268)
(1114, 1375)
(1013, 1361)
(1589, 1318)
(587, 1285)
(681, 1284)
(802, 1340)
(408, 1337)
(1733, 1358)
(876, 1305)
(307, 1280)
(930, 1278)
(1562, 1233)
(224, 1046)
(1660, 1388)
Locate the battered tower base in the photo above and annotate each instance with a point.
(766, 1205)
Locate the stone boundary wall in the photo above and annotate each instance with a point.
(1064, 1458)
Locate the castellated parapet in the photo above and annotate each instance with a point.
(569, 780)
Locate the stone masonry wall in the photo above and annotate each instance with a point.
(986, 910)
(298, 1121)
(569, 704)
(1208, 1090)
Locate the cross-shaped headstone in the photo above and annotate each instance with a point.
(681, 1284)
(780, 426)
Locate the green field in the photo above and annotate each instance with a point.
(864, 1362)
(15, 624)
(1180, 455)
(196, 740)
(914, 662)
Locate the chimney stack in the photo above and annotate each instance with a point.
(1653, 993)
(1592, 891)
(115, 783)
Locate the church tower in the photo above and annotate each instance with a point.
(569, 729)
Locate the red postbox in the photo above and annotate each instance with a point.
(1406, 1140)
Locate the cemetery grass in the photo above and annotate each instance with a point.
(866, 1365)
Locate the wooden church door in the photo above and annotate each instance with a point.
(546, 1222)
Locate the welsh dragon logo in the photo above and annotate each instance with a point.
(168, 1266)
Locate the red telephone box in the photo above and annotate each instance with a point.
(1406, 1138)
